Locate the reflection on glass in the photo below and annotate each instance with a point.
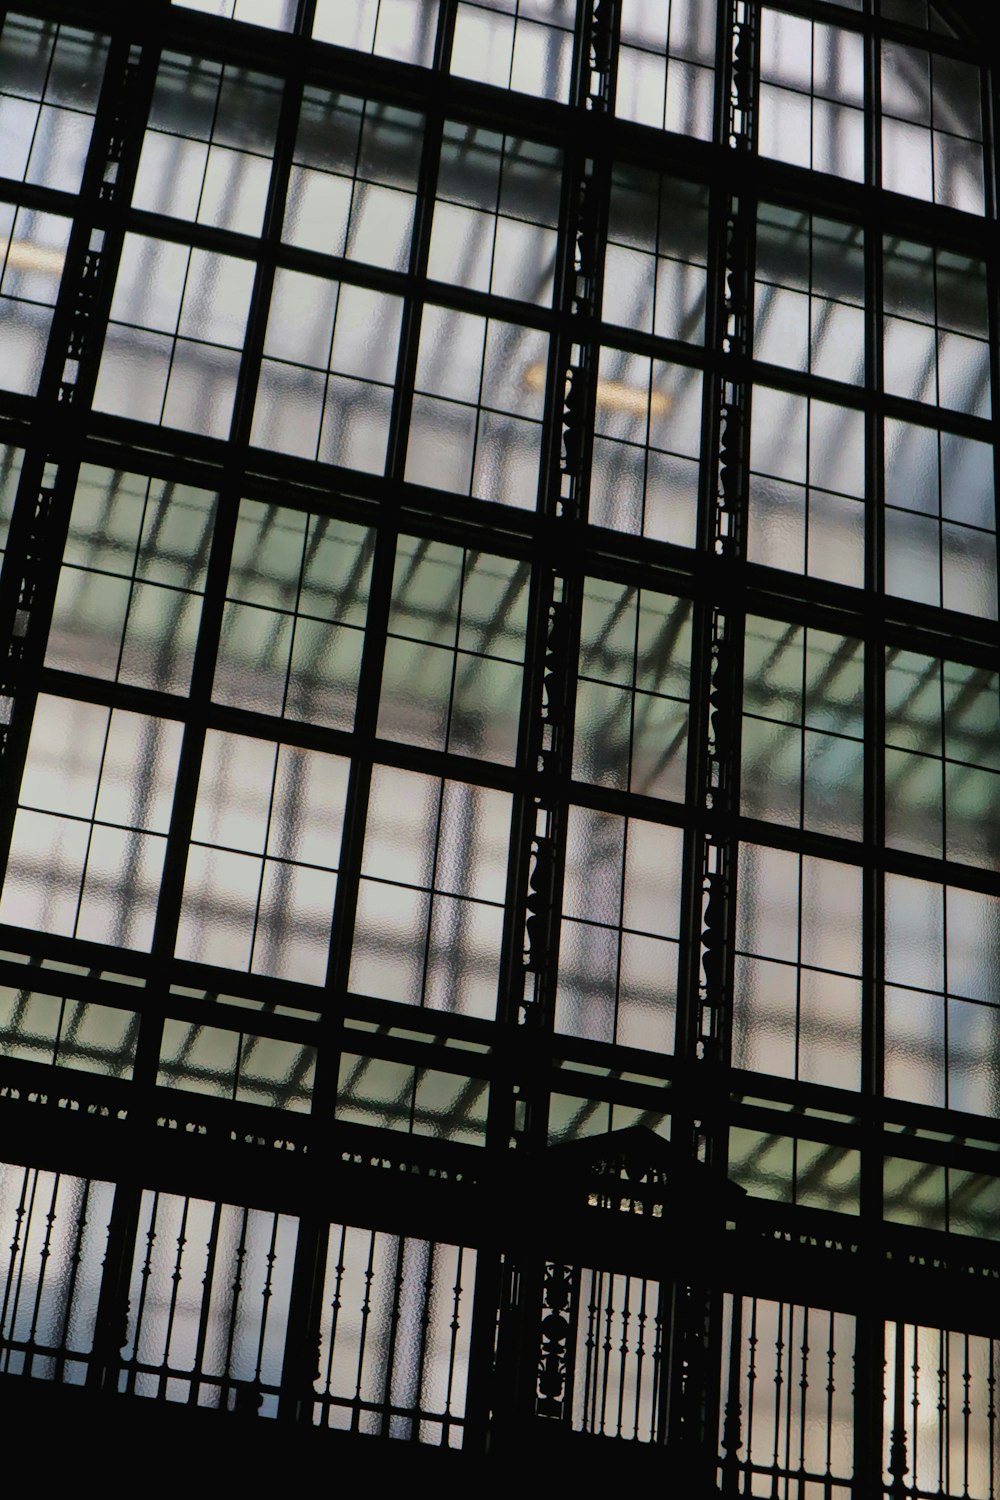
(807, 486)
(296, 605)
(495, 214)
(352, 189)
(476, 421)
(175, 337)
(93, 810)
(430, 906)
(206, 154)
(940, 519)
(413, 1099)
(803, 727)
(797, 1001)
(666, 59)
(32, 257)
(621, 924)
(942, 970)
(128, 604)
(633, 690)
(50, 82)
(400, 29)
(453, 668)
(326, 379)
(811, 94)
(262, 868)
(515, 44)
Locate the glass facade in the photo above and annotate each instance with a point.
(499, 581)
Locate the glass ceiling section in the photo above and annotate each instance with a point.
(513, 465)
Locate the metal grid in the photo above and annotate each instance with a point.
(500, 582)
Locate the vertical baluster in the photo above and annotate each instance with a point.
(779, 1383)
(235, 1293)
(992, 1357)
(623, 1351)
(152, 1199)
(732, 1437)
(831, 1346)
(607, 1347)
(398, 1292)
(453, 1345)
(944, 1447)
(206, 1308)
(335, 1306)
(751, 1379)
(172, 1306)
(804, 1388)
(424, 1321)
(590, 1345)
(366, 1306)
(11, 1294)
(898, 1467)
(966, 1414)
(76, 1255)
(266, 1295)
(44, 1256)
(640, 1355)
(915, 1409)
(658, 1424)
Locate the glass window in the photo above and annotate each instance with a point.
(793, 1169)
(175, 338)
(326, 379)
(396, 1095)
(666, 59)
(797, 984)
(67, 1033)
(940, 519)
(655, 264)
(946, 1372)
(353, 184)
(265, 850)
(405, 30)
(803, 727)
(236, 1065)
(225, 1320)
(433, 880)
(50, 82)
(128, 604)
(516, 44)
(496, 214)
(618, 944)
(56, 1227)
(90, 833)
(942, 758)
(454, 658)
(647, 440)
(278, 15)
(942, 982)
(932, 132)
(632, 699)
(806, 507)
(294, 620)
(812, 95)
(810, 294)
(11, 459)
(206, 154)
(394, 1336)
(32, 256)
(476, 425)
(936, 327)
